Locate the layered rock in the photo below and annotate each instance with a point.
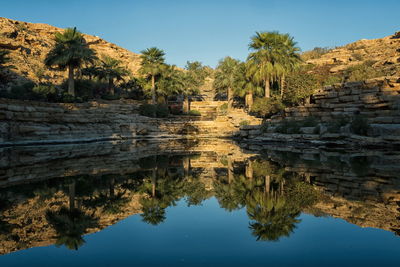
(375, 100)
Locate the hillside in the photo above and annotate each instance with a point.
(382, 56)
(30, 42)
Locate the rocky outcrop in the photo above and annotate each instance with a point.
(383, 53)
(29, 44)
(377, 101)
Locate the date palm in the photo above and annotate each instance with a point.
(110, 69)
(70, 52)
(273, 56)
(152, 65)
(247, 88)
(226, 77)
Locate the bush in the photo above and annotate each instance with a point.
(223, 109)
(243, 123)
(331, 79)
(267, 106)
(110, 97)
(300, 85)
(149, 110)
(359, 125)
(194, 113)
(67, 98)
(23, 91)
(45, 92)
(162, 111)
(363, 71)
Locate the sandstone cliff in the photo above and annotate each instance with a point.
(30, 42)
(383, 53)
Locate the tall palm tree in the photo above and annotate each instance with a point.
(273, 56)
(226, 77)
(110, 69)
(152, 64)
(70, 51)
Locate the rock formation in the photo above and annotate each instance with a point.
(29, 43)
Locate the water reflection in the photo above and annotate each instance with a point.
(274, 187)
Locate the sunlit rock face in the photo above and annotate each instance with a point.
(93, 186)
(29, 44)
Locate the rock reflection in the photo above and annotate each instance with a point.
(273, 186)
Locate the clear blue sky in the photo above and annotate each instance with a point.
(207, 30)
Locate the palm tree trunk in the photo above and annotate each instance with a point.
(267, 89)
(71, 191)
(230, 98)
(186, 104)
(267, 183)
(111, 86)
(112, 184)
(282, 85)
(230, 171)
(249, 170)
(153, 182)
(153, 90)
(71, 81)
(249, 100)
(186, 167)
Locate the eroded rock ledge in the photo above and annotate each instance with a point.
(377, 101)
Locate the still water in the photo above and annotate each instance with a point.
(197, 204)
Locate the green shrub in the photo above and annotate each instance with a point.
(194, 113)
(331, 79)
(265, 107)
(67, 98)
(23, 91)
(363, 71)
(45, 92)
(359, 125)
(244, 123)
(110, 97)
(300, 85)
(149, 110)
(223, 109)
(162, 111)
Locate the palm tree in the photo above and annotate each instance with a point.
(192, 79)
(70, 51)
(151, 66)
(170, 81)
(70, 225)
(273, 56)
(226, 77)
(110, 69)
(247, 88)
